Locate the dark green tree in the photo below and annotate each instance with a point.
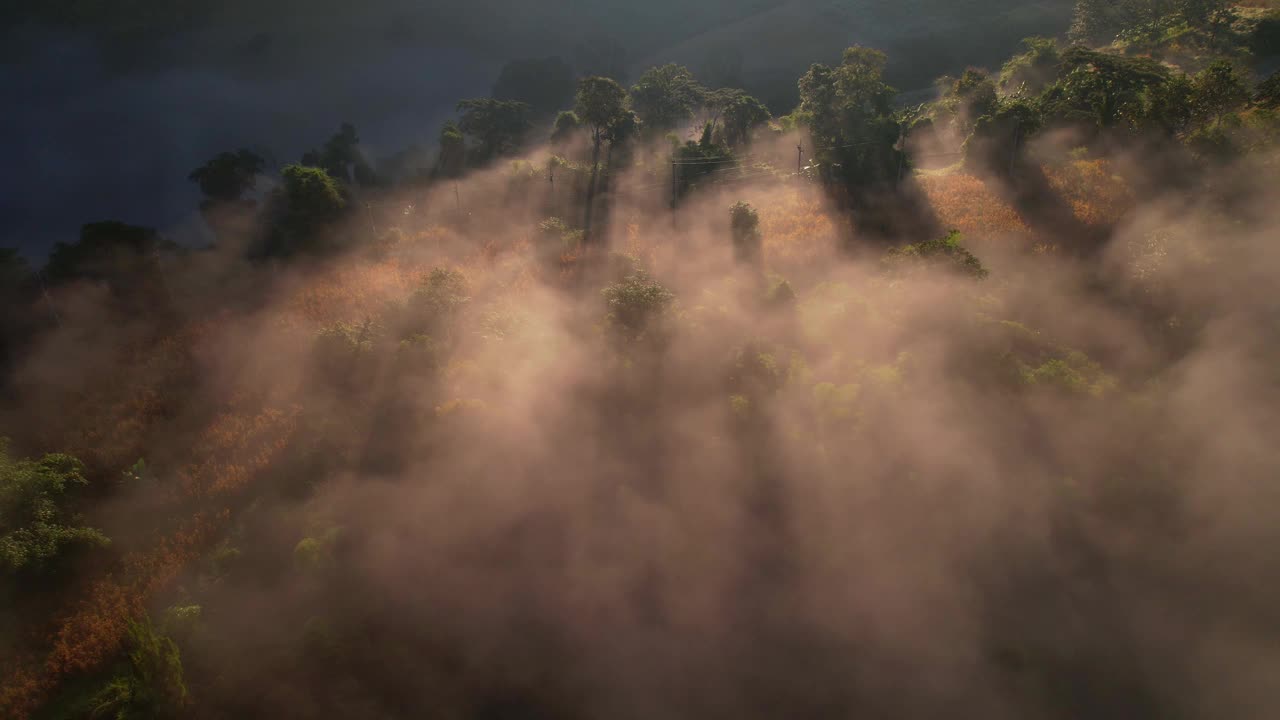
(544, 84)
(850, 113)
(306, 203)
(740, 114)
(452, 159)
(228, 176)
(1268, 93)
(601, 107)
(498, 126)
(664, 97)
(125, 258)
(36, 528)
(567, 123)
(151, 685)
(1103, 90)
(1216, 91)
(342, 158)
(1033, 70)
(744, 223)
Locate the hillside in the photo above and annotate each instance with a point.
(641, 400)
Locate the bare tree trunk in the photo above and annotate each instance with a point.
(591, 188)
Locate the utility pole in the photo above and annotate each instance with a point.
(799, 158)
(457, 199)
(368, 213)
(551, 178)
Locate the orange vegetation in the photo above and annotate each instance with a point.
(965, 203)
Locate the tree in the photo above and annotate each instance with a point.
(741, 114)
(567, 123)
(307, 200)
(1216, 91)
(850, 113)
(1268, 93)
(453, 152)
(1096, 22)
(1103, 90)
(665, 96)
(151, 687)
(122, 256)
(601, 106)
(1034, 69)
(498, 126)
(969, 98)
(228, 175)
(744, 222)
(544, 84)
(35, 526)
(342, 158)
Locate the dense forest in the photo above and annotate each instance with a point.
(641, 397)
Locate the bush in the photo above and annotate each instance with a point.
(745, 223)
(946, 253)
(636, 304)
(35, 527)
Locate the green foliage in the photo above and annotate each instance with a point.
(307, 201)
(1033, 70)
(113, 252)
(601, 103)
(434, 307)
(228, 175)
(544, 84)
(999, 140)
(1267, 95)
(744, 222)
(1217, 90)
(968, 98)
(1074, 374)
(850, 113)
(665, 96)
(453, 152)
(946, 253)
(738, 113)
(636, 305)
(152, 686)
(342, 159)
(567, 123)
(35, 527)
(755, 371)
(1101, 90)
(498, 126)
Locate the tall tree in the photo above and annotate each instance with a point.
(498, 126)
(665, 96)
(228, 175)
(342, 158)
(850, 113)
(1217, 90)
(602, 108)
(453, 151)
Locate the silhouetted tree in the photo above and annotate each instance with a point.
(602, 108)
(850, 113)
(544, 84)
(499, 126)
(453, 152)
(665, 96)
(342, 158)
(228, 176)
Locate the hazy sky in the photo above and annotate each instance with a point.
(93, 144)
(94, 136)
